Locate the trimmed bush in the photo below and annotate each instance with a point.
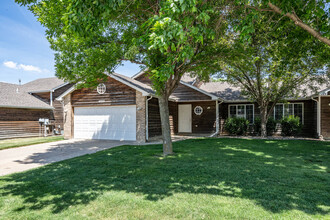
(236, 126)
(270, 126)
(290, 125)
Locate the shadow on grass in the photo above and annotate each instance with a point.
(277, 175)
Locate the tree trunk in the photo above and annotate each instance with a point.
(263, 119)
(165, 120)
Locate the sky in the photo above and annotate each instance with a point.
(24, 50)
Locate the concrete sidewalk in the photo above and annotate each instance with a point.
(28, 157)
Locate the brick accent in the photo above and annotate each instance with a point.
(68, 117)
(140, 118)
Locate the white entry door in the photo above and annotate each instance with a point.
(185, 118)
(112, 123)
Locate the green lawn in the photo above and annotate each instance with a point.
(205, 179)
(20, 142)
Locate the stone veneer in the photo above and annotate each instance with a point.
(68, 117)
(140, 117)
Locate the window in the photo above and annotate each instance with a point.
(101, 88)
(295, 109)
(198, 110)
(242, 111)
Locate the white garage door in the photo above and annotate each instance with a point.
(112, 123)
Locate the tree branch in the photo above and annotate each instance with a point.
(299, 23)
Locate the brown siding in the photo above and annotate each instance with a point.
(309, 126)
(173, 110)
(325, 117)
(58, 113)
(116, 94)
(43, 96)
(61, 90)
(144, 79)
(154, 123)
(204, 123)
(12, 129)
(21, 114)
(185, 93)
(16, 122)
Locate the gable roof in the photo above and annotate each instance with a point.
(145, 89)
(43, 85)
(13, 96)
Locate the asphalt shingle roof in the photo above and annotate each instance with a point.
(12, 95)
(223, 90)
(42, 84)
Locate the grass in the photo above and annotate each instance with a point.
(205, 179)
(20, 142)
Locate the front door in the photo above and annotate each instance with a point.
(185, 118)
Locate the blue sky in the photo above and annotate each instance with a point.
(24, 50)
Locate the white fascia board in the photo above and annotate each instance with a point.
(201, 91)
(27, 107)
(40, 91)
(139, 73)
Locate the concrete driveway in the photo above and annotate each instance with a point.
(28, 157)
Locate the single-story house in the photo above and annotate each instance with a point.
(126, 108)
(21, 107)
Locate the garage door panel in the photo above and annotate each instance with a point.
(113, 123)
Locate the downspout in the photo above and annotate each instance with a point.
(51, 98)
(147, 118)
(217, 124)
(318, 112)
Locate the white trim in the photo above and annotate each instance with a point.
(40, 91)
(51, 98)
(201, 91)
(139, 73)
(244, 110)
(12, 106)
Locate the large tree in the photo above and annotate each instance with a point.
(311, 16)
(274, 64)
(169, 37)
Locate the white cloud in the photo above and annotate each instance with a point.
(13, 65)
(29, 68)
(10, 64)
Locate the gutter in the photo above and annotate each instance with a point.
(26, 107)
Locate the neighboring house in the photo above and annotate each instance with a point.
(127, 108)
(21, 106)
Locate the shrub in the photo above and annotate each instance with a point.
(270, 126)
(290, 125)
(236, 126)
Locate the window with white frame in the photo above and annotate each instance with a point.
(283, 110)
(242, 111)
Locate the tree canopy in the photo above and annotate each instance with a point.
(170, 37)
(274, 64)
